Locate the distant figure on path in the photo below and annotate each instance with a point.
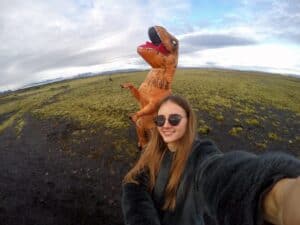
(181, 180)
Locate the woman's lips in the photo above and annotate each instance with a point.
(168, 132)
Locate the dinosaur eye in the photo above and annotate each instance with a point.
(174, 42)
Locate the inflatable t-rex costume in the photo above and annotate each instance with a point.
(162, 55)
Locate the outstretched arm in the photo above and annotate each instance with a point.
(281, 204)
(239, 188)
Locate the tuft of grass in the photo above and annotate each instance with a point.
(261, 146)
(204, 129)
(19, 126)
(235, 131)
(273, 136)
(219, 117)
(252, 122)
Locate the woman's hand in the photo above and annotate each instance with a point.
(281, 204)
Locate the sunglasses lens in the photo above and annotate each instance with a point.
(160, 120)
(174, 119)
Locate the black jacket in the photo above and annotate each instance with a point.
(227, 188)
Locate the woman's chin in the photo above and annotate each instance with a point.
(170, 139)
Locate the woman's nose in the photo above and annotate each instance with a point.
(167, 124)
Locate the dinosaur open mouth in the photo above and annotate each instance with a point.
(156, 42)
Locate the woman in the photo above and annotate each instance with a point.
(182, 180)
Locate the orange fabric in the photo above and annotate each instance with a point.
(157, 85)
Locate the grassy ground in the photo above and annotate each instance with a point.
(238, 99)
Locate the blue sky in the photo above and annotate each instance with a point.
(210, 10)
(42, 40)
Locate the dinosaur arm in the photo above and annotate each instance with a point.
(169, 77)
(170, 70)
(134, 91)
(147, 110)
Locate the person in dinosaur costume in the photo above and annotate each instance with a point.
(162, 55)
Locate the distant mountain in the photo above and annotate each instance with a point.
(77, 76)
(109, 72)
(42, 82)
(5, 92)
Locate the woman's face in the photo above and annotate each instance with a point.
(171, 133)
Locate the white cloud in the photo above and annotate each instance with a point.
(267, 57)
(41, 38)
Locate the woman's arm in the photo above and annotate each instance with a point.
(281, 203)
(233, 188)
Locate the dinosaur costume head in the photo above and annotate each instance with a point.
(162, 51)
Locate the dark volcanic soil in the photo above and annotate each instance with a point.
(43, 183)
(48, 179)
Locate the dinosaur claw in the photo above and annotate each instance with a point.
(133, 117)
(126, 85)
(140, 147)
(130, 116)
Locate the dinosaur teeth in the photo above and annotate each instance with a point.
(161, 48)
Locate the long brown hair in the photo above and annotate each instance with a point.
(155, 149)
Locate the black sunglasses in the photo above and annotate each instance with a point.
(173, 119)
